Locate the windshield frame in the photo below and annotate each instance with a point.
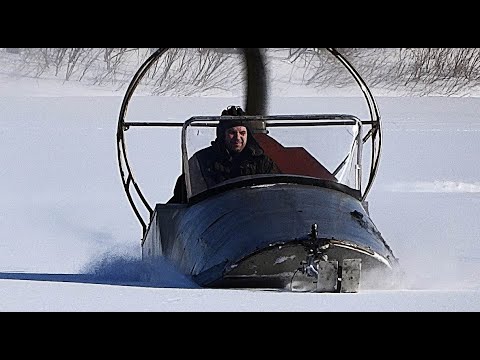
(286, 121)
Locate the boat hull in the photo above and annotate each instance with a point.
(261, 235)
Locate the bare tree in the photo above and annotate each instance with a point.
(193, 71)
(418, 71)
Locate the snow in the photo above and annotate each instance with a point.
(70, 241)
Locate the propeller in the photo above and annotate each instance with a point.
(257, 91)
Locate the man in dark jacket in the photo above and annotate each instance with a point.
(233, 153)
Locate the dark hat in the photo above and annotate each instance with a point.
(233, 110)
(229, 123)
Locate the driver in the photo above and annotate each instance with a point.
(233, 153)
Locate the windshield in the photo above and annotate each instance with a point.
(326, 147)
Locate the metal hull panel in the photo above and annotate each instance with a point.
(220, 241)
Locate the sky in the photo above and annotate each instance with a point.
(71, 243)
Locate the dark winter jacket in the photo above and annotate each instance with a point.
(215, 164)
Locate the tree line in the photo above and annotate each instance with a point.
(185, 71)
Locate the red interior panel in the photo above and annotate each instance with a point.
(293, 160)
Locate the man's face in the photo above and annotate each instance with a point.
(236, 138)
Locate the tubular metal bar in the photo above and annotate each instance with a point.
(214, 124)
(121, 147)
(153, 124)
(375, 132)
(334, 119)
(171, 124)
(126, 172)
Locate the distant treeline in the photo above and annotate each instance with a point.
(416, 71)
